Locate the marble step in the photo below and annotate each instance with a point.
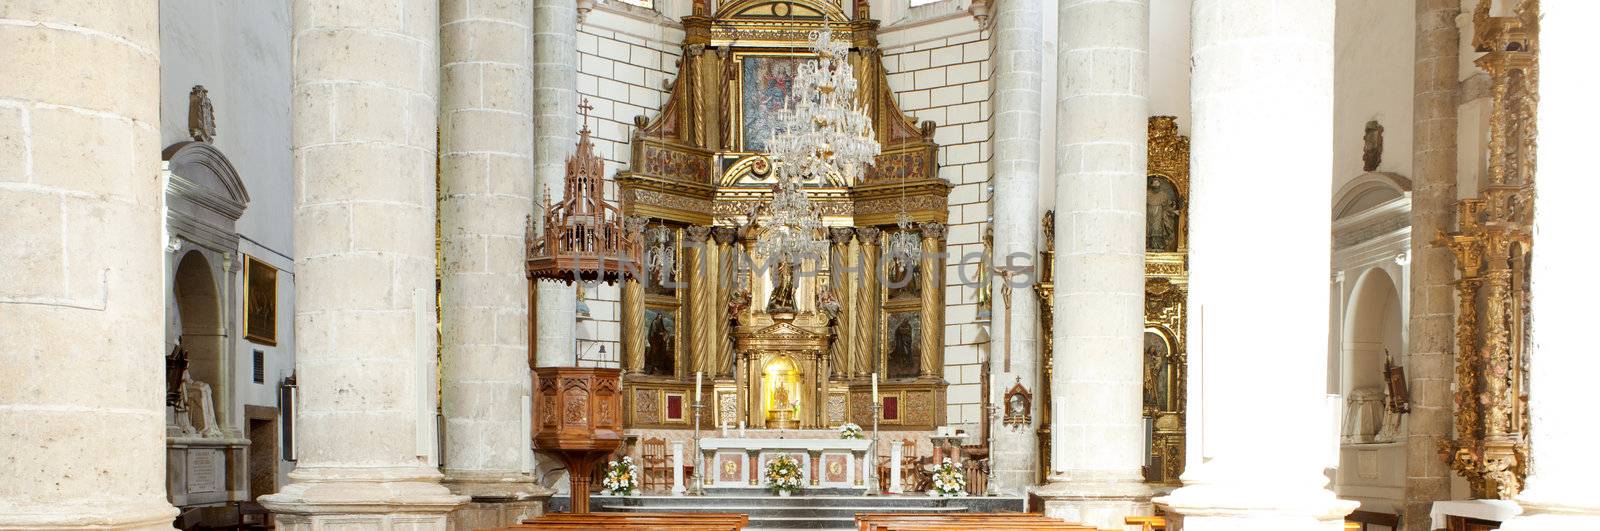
(982, 504)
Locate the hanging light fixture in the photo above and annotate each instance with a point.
(821, 131)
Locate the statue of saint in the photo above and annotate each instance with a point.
(658, 359)
(782, 298)
(1161, 216)
(780, 397)
(201, 417)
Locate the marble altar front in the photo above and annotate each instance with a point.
(826, 460)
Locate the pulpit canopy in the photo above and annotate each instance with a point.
(582, 237)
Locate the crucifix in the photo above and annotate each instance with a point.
(1005, 274)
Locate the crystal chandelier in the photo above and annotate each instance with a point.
(821, 130)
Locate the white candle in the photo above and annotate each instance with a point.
(874, 388)
(697, 386)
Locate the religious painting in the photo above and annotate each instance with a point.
(1399, 399)
(260, 302)
(1162, 208)
(904, 280)
(1018, 405)
(905, 344)
(1157, 371)
(660, 342)
(765, 82)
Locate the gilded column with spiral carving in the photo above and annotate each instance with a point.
(932, 278)
(724, 236)
(633, 309)
(701, 329)
(844, 287)
(868, 302)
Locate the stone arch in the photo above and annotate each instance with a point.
(199, 321)
(1369, 190)
(1374, 323)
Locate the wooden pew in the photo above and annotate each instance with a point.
(1362, 519)
(962, 521)
(608, 521)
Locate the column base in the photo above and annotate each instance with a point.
(374, 498)
(1255, 497)
(1099, 500)
(497, 499)
(154, 514)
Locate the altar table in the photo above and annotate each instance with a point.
(741, 462)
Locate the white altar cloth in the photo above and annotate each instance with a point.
(1491, 510)
(741, 462)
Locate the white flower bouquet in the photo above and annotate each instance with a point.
(622, 477)
(948, 480)
(783, 475)
(850, 430)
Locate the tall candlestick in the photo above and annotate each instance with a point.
(874, 388)
(697, 375)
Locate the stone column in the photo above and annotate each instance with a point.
(555, 133)
(1103, 105)
(633, 308)
(1433, 159)
(697, 267)
(1018, 58)
(81, 292)
(1263, 101)
(1560, 486)
(932, 286)
(869, 303)
(845, 280)
(485, 196)
(364, 263)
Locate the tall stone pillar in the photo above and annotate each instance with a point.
(1257, 375)
(846, 278)
(1433, 159)
(1102, 134)
(869, 302)
(932, 311)
(697, 250)
(364, 264)
(1560, 486)
(555, 132)
(81, 423)
(1018, 38)
(485, 196)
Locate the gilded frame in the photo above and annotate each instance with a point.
(260, 302)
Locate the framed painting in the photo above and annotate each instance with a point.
(260, 302)
(764, 85)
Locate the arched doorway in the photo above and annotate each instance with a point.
(198, 322)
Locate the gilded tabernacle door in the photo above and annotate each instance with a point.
(779, 344)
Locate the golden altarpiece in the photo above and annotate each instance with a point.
(780, 346)
(1166, 274)
(1491, 244)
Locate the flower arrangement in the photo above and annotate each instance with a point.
(783, 475)
(948, 480)
(621, 477)
(850, 430)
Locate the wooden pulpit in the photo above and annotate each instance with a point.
(577, 415)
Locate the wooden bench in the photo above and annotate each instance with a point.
(639, 521)
(962, 521)
(1147, 523)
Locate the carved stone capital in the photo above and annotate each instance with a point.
(868, 235)
(933, 230)
(698, 234)
(725, 235)
(841, 235)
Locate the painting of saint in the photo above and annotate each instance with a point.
(903, 282)
(659, 342)
(905, 344)
(764, 88)
(1162, 206)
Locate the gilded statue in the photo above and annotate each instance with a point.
(1161, 215)
(782, 299)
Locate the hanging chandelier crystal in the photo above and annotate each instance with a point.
(904, 248)
(822, 130)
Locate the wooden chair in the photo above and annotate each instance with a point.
(911, 473)
(655, 466)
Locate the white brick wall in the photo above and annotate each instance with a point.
(623, 74)
(947, 80)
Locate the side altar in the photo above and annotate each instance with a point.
(779, 344)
